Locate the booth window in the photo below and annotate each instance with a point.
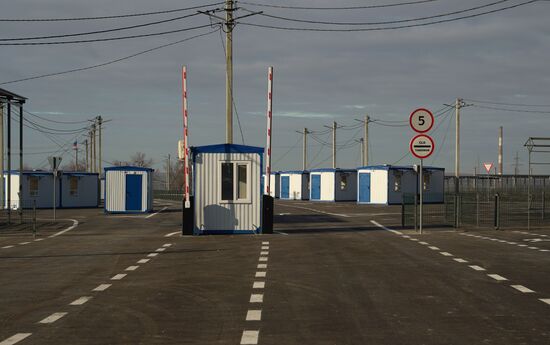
(33, 185)
(73, 186)
(235, 186)
(343, 181)
(397, 183)
(227, 181)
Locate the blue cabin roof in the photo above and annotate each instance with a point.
(333, 170)
(128, 168)
(227, 148)
(48, 173)
(294, 172)
(396, 167)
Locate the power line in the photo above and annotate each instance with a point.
(337, 8)
(511, 110)
(55, 121)
(385, 22)
(509, 104)
(108, 62)
(434, 159)
(122, 28)
(288, 151)
(105, 39)
(392, 27)
(107, 17)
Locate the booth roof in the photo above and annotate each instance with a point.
(227, 148)
(128, 168)
(7, 95)
(396, 167)
(294, 172)
(333, 170)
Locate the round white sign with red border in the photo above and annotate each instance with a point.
(422, 146)
(421, 120)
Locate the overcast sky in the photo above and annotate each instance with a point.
(320, 77)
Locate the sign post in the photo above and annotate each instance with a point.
(421, 146)
(54, 163)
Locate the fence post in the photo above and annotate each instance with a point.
(456, 211)
(477, 210)
(403, 212)
(34, 219)
(497, 211)
(543, 203)
(415, 212)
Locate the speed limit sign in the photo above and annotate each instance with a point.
(421, 120)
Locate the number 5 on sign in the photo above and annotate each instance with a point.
(421, 120)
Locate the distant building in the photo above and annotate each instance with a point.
(333, 185)
(294, 185)
(275, 185)
(128, 189)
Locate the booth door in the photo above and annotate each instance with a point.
(316, 187)
(285, 187)
(133, 192)
(364, 187)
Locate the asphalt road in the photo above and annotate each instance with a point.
(331, 274)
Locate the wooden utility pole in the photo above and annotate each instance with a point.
(334, 145)
(229, 24)
(366, 142)
(500, 164)
(86, 143)
(304, 148)
(99, 123)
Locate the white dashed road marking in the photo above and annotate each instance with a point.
(118, 276)
(172, 234)
(262, 265)
(262, 258)
(53, 318)
(497, 277)
(131, 268)
(250, 337)
(254, 315)
(433, 248)
(257, 298)
(14, 339)
(462, 261)
(167, 245)
(477, 268)
(260, 274)
(265, 247)
(81, 300)
(265, 242)
(160, 249)
(143, 261)
(7, 247)
(258, 285)
(522, 288)
(102, 287)
(445, 254)
(424, 243)
(264, 253)
(545, 300)
(152, 255)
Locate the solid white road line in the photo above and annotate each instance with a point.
(250, 337)
(445, 254)
(264, 253)
(143, 261)
(172, 234)
(167, 245)
(257, 298)
(14, 339)
(263, 258)
(265, 242)
(258, 285)
(39, 239)
(119, 276)
(386, 228)
(75, 224)
(265, 247)
(262, 265)
(545, 300)
(131, 268)
(254, 315)
(497, 277)
(154, 214)
(433, 248)
(280, 232)
(462, 261)
(160, 249)
(152, 255)
(81, 300)
(522, 288)
(477, 268)
(53, 318)
(102, 287)
(318, 211)
(7, 247)
(260, 274)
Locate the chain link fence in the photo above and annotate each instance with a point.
(174, 195)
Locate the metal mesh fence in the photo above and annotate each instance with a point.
(175, 195)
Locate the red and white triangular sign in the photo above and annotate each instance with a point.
(488, 166)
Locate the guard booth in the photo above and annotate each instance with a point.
(227, 184)
(387, 184)
(275, 191)
(333, 185)
(294, 185)
(128, 189)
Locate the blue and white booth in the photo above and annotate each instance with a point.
(333, 185)
(228, 189)
(275, 186)
(128, 189)
(387, 184)
(294, 185)
(72, 189)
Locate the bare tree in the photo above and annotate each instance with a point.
(138, 159)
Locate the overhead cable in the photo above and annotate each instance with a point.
(337, 8)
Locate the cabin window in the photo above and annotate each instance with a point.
(235, 182)
(33, 185)
(227, 181)
(73, 186)
(343, 182)
(397, 183)
(426, 184)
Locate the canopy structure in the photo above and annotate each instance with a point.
(8, 99)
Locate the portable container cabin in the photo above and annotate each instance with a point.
(128, 189)
(274, 185)
(227, 189)
(73, 189)
(333, 185)
(387, 184)
(294, 185)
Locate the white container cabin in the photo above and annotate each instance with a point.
(294, 185)
(275, 186)
(73, 190)
(227, 189)
(128, 189)
(387, 184)
(333, 185)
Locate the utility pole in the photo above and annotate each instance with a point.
(362, 142)
(366, 142)
(500, 138)
(168, 173)
(94, 165)
(334, 145)
(458, 104)
(100, 122)
(86, 143)
(229, 24)
(75, 156)
(304, 149)
(2, 154)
